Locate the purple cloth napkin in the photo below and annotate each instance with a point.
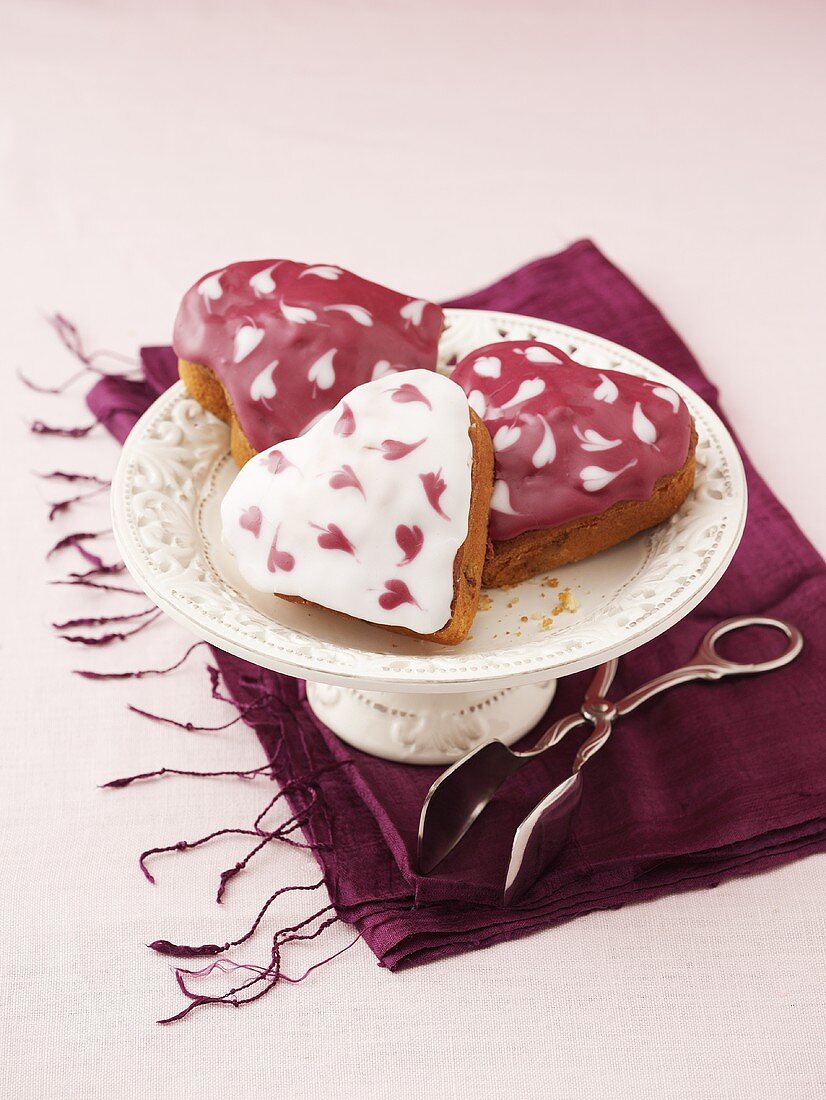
(703, 783)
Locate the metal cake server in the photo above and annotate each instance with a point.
(460, 794)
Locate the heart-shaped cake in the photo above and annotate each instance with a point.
(271, 345)
(583, 458)
(379, 511)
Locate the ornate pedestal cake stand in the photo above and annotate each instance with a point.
(386, 694)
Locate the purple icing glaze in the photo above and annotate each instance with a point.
(289, 340)
(569, 440)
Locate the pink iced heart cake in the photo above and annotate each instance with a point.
(272, 345)
(583, 458)
(379, 511)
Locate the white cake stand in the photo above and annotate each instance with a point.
(386, 694)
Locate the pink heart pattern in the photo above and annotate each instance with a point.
(346, 423)
(251, 520)
(410, 540)
(434, 486)
(395, 593)
(279, 560)
(407, 392)
(346, 478)
(376, 487)
(333, 538)
(394, 449)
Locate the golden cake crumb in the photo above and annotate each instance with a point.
(523, 618)
(546, 623)
(551, 582)
(485, 602)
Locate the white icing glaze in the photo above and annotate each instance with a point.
(606, 390)
(642, 427)
(365, 511)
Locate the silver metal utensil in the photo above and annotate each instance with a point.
(460, 794)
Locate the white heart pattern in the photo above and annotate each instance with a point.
(546, 413)
(239, 320)
(322, 373)
(488, 366)
(247, 339)
(263, 385)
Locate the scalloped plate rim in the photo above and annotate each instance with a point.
(453, 678)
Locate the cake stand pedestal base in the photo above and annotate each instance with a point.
(421, 728)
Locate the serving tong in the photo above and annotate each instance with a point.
(461, 793)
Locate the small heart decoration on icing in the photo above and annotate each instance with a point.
(299, 315)
(665, 393)
(410, 540)
(434, 487)
(275, 462)
(359, 314)
(346, 423)
(382, 369)
(414, 311)
(538, 353)
(506, 436)
(251, 520)
(322, 271)
(321, 373)
(545, 453)
(595, 478)
(528, 389)
(247, 339)
(395, 449)
(376, 487)
(346, 478)
(489, 366)
(263, 386)
(591, 440)
(333, 538)
(395, 593)
(279, 560)
(607, 390)
(407, 392)
(262, 282)
(210, 288)
(642, 427)
(548, 415)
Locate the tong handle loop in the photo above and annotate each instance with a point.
(707, 652)
(708, 664)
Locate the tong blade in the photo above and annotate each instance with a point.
(458, 797)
